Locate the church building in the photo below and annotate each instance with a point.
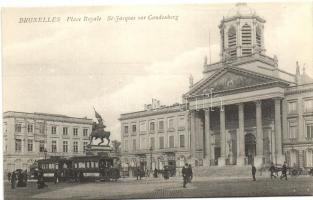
(246, 109)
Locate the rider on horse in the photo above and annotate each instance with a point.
(98, 130)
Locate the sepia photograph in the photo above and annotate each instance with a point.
(157, 101)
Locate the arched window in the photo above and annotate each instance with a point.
(232, 41)
(246, 34)
(258, 35)
(231, 37)
(246, 39)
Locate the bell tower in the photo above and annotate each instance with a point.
(241, 33)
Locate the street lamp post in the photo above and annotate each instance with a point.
(45, 152)
(151, 158)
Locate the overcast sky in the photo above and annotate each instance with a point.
(69, 67)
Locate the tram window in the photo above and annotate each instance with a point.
(57, 166)
(82, 165)
(96, 164)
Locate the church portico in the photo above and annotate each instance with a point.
(236, 134)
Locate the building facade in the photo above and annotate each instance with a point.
(245, 110)
(155, 138)
(31, 136)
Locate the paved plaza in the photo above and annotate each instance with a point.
(159, 188)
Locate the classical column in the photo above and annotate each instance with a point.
(279, 158)
(301, 135)
(192, 133)
(221, 160)
(258, 161)
(240, 136)
(207, 137)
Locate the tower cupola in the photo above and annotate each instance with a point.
(241, 33)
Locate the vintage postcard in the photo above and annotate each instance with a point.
(157, 101)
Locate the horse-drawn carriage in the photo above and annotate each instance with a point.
(82, 168)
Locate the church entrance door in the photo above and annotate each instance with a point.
(250, 147)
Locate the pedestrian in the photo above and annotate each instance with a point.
(253, 172)
(81, 177)
(9, 177)
(25, 178)
(272, 170)
(190, 174)
(155, 173)
(138, 173)
(13, 180)
(41, 181)
(166, 174)
(185, 175)
(56, 177)
(284, 171)
(20, 179)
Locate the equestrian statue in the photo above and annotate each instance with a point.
(98, 130)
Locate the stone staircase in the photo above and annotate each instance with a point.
(225, 171)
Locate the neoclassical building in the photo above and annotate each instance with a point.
(32, 136)
(245, 110)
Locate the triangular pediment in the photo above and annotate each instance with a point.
(230, 79)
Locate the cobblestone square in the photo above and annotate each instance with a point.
(172, 188)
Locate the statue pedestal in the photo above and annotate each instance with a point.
(98, 150)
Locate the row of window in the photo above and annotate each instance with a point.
(18, 146)
(152, 125)
(307, 105)
(65, 145)
(293, 129)
(30, 129)
(143, 143)
(65, 131)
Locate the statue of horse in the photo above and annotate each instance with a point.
(100, 133)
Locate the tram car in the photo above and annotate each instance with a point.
(61, 166)
(80, 168)
(95, 168)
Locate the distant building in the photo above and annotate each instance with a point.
(155, 137)
(31, 136)
(245, 110)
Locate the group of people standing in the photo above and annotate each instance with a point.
(18, 178)
(273, 170)
(187, 174)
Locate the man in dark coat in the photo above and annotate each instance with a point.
(20, 179)
(253, 172)
(9, 177)
(190, 174)
(272, 170)
(13, 180)
(25, 177)
(56, 177)
(155, 173)
(138, 173)
(185, 174)
(284, 171)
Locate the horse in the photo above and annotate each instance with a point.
(100, 133)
